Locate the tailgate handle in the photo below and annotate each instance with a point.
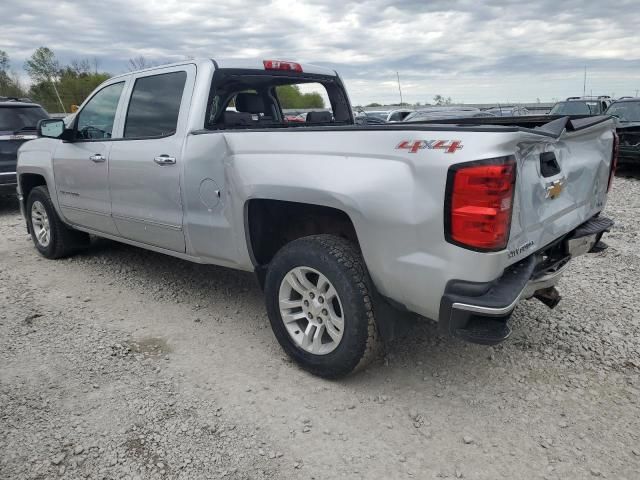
(548, 164)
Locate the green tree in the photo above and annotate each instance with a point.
(77, 81)
(291, 97)
(43, 67)
(374, 104)
(58, 87)
(9, 83)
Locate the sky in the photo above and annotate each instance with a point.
(472, 51)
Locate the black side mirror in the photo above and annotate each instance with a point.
(51, 127)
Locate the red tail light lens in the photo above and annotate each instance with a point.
(614, 159)
(282, 66)
(479, 203)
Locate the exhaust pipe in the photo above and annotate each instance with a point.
(549, 296)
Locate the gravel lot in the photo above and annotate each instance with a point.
(125, 364)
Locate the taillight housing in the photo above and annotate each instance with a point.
(614, 159)
(479, 203)
(282, 66)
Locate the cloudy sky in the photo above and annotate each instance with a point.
(472, 51)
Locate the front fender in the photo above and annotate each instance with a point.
(36, 157)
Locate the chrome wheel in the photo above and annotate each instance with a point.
(40, 224)
(311, 310)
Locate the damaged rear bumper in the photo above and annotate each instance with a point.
(479, 312)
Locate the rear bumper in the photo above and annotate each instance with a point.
(465, 304)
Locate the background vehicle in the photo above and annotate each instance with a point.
(396, 115)
(441, 113)
(18, 120)
(627, 113)
(582, 106)
(508, 111)
(349, 228)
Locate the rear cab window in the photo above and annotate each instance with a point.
(244, 99)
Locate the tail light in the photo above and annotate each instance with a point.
(479, 202)
(282, 66)
(614, 159)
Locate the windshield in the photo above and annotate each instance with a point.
(17, 118)
(625, 111)
(575, 108)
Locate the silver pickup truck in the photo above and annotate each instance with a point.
(351, 229)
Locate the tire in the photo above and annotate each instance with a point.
(340, 264)
(61, 240)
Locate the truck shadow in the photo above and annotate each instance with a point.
(9, 205)
(210, 288)
(628, 171)
(412, 361)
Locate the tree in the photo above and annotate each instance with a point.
(291, 97)
(139, 63)
(55, 86)
(43, 67)
(440, 100)
(374, 104)
(9, 83)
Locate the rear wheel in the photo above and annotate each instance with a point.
(51, 237)
(319, 301)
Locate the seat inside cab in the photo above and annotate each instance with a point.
(264, 101)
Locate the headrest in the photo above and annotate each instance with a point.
(319, 117)
(249, 103)
(234, 119)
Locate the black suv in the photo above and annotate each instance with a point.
(626, 110)
(582, 106)
(18, 120)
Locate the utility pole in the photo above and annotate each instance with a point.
(584, 84)
(53, 83)
(399, 88)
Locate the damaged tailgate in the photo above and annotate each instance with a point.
(564, 171)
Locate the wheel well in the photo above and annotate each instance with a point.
(28, 181)
(274, 223)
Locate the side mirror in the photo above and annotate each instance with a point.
(51, 127)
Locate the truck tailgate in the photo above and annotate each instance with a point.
(562, 182)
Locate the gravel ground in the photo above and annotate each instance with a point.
(125, 364)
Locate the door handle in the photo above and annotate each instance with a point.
(97, 158)
(165, 160)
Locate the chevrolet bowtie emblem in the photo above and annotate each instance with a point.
(554, 189)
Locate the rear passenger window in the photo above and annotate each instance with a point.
(155, 105)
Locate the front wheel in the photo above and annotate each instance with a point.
(51, 237)
(319, 302)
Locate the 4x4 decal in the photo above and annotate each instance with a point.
(449, 146)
